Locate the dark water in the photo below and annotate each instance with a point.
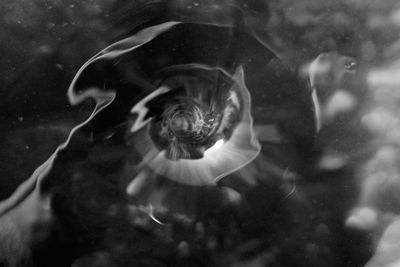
(199, 133)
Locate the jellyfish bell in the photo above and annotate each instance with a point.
(183, 98)
(173, 117)
(198, 145)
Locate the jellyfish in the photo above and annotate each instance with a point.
(176, 105)
(195, 127)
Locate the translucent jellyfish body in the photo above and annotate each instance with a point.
(176, 98)
(193, 124)
(177, 108)
(199, 134)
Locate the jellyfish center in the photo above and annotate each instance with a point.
(185, 129)
(190, 112)
(180, 123)
(188, 122)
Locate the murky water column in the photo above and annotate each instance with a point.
(378, 205)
